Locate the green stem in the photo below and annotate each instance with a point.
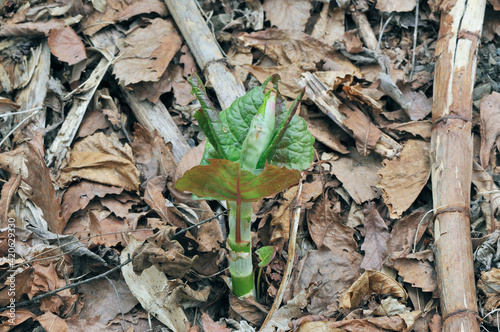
(240, 253)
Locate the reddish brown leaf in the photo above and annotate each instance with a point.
(43, 193)
(376, 235)
(209, 325)
(142, 58)
(364, 131)
(65, 44)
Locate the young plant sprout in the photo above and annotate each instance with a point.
(254, 149)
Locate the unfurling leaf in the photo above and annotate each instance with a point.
(266, 255)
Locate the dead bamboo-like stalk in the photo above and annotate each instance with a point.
(205, 49)
(459, 33)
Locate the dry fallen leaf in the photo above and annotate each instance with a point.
(376, 235)
(328, 230)
(153, 156)
(334, 270)
(489, 285)
(208, 324)
(80, 194)
(102, 159)
(52, 323)
(402, 238)
(401, 322)
(371, 282)
(322, 131)
(396, 6)
(418, 273)
(288, 14)
(402, 180)
(66, 45)
(147, 52)
(358, 175)
(331, 25)
(364, 131)
(165, 254)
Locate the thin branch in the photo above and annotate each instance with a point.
(39, 297)
(198, 224)
(415, 34)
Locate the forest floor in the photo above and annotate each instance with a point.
(97, 124)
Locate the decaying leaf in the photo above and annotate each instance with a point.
(80, 194)
(8, 191)
(331, 24)
(326, 229)
(371, 282)
(364, 131)
(208, 324)
(145, 288)
(402, 239)
(489, 285)
(165, 254)
(358, 175)
(401, 322)
(396, 6)
(418, 273)
(403, 179)
(153, 156)
(147, 52)
(103, 159)
(287, 14)
(376, 235)
(335, 271)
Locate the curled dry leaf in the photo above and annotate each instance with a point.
(143, 7)
(485, 186)
(8, 191)
(402, 180)
(376, 235)
(401, 322)
(80, 194)
(490, 125)
(371, 282)
(208, 324)
(489, 285)
(165, 254)
(102, 159)
(288, 14)
(65, 44)
(420, 128)
(322, 131)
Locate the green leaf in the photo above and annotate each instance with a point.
(224, 179)
(266, 255)
(295, 150)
